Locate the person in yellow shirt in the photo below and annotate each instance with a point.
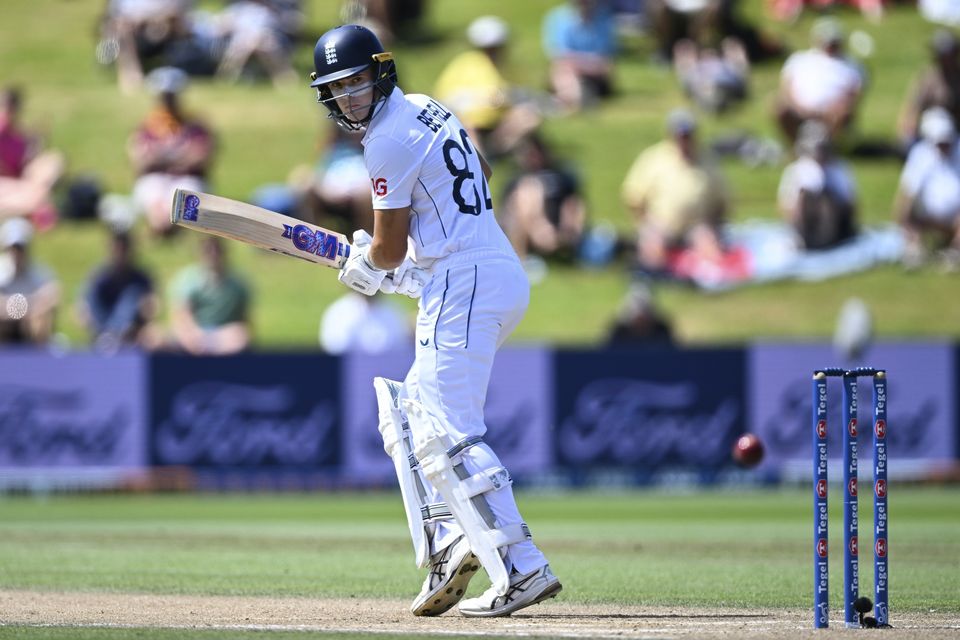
(473, 87)
(679, 199)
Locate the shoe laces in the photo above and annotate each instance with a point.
(439, 566)
(515, 589)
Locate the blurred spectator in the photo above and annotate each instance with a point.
(356, 323)
(29, 292)
(389, 19)
(675, 20)
(677, 196)
(118, 302)
(817, 193)
(938, 85)
(706, 23)
(258, 31)
(27, 173)
(580, 40)
(639, 322)
(714, 79)
(630, 16)
(819, 83)
(790, 10)
(473, 87)
(169, 150)
(543, 211)
(928, 199)
(335, 192)
(210, 304)
(135, 32)
(945, 12)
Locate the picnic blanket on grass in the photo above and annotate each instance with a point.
(765, 250)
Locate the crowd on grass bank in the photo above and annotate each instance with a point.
(674, 192)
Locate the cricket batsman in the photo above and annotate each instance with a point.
(435, 234)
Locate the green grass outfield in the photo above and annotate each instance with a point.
(748, 549)
(47, 47)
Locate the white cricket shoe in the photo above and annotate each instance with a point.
(525, 590)
(450, 573)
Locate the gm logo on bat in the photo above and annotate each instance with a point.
(317, 242)
(191, 208)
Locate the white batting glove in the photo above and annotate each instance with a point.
(361, 239)
(406, 280)
(359, 274)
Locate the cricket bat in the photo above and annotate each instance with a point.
(260, 227)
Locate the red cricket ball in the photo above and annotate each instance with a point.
(748, 451)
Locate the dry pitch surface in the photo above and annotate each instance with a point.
(553, 619)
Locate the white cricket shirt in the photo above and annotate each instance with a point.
(418, 155)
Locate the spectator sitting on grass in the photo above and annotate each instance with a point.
(639, 322)
(678, 198)
(335, 192)
(138, 33)
(544, 212)
(169, 150)
(118, 301)
(938, 85)
(473, 87)
(820, 83)
(210, 305)
(254, 31)
(817, 193)
(928, 200)
(580, 41)
(27, 173)
(714, 79)
(355, 323)
(29, 292)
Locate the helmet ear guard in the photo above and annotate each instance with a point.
(386, 71)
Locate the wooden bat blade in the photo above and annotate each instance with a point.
(259, 227)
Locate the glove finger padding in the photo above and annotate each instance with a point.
(389, 284)
(361, 239)
(407, 279)
(412, 283)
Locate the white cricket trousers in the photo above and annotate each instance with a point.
(465, 314)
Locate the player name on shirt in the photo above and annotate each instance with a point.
(433, 115)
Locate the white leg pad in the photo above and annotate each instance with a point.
(484, 536)
(398, 443)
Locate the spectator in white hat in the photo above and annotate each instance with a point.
(473, 86)
(29, 292)
(928, 199)
(169, 150)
